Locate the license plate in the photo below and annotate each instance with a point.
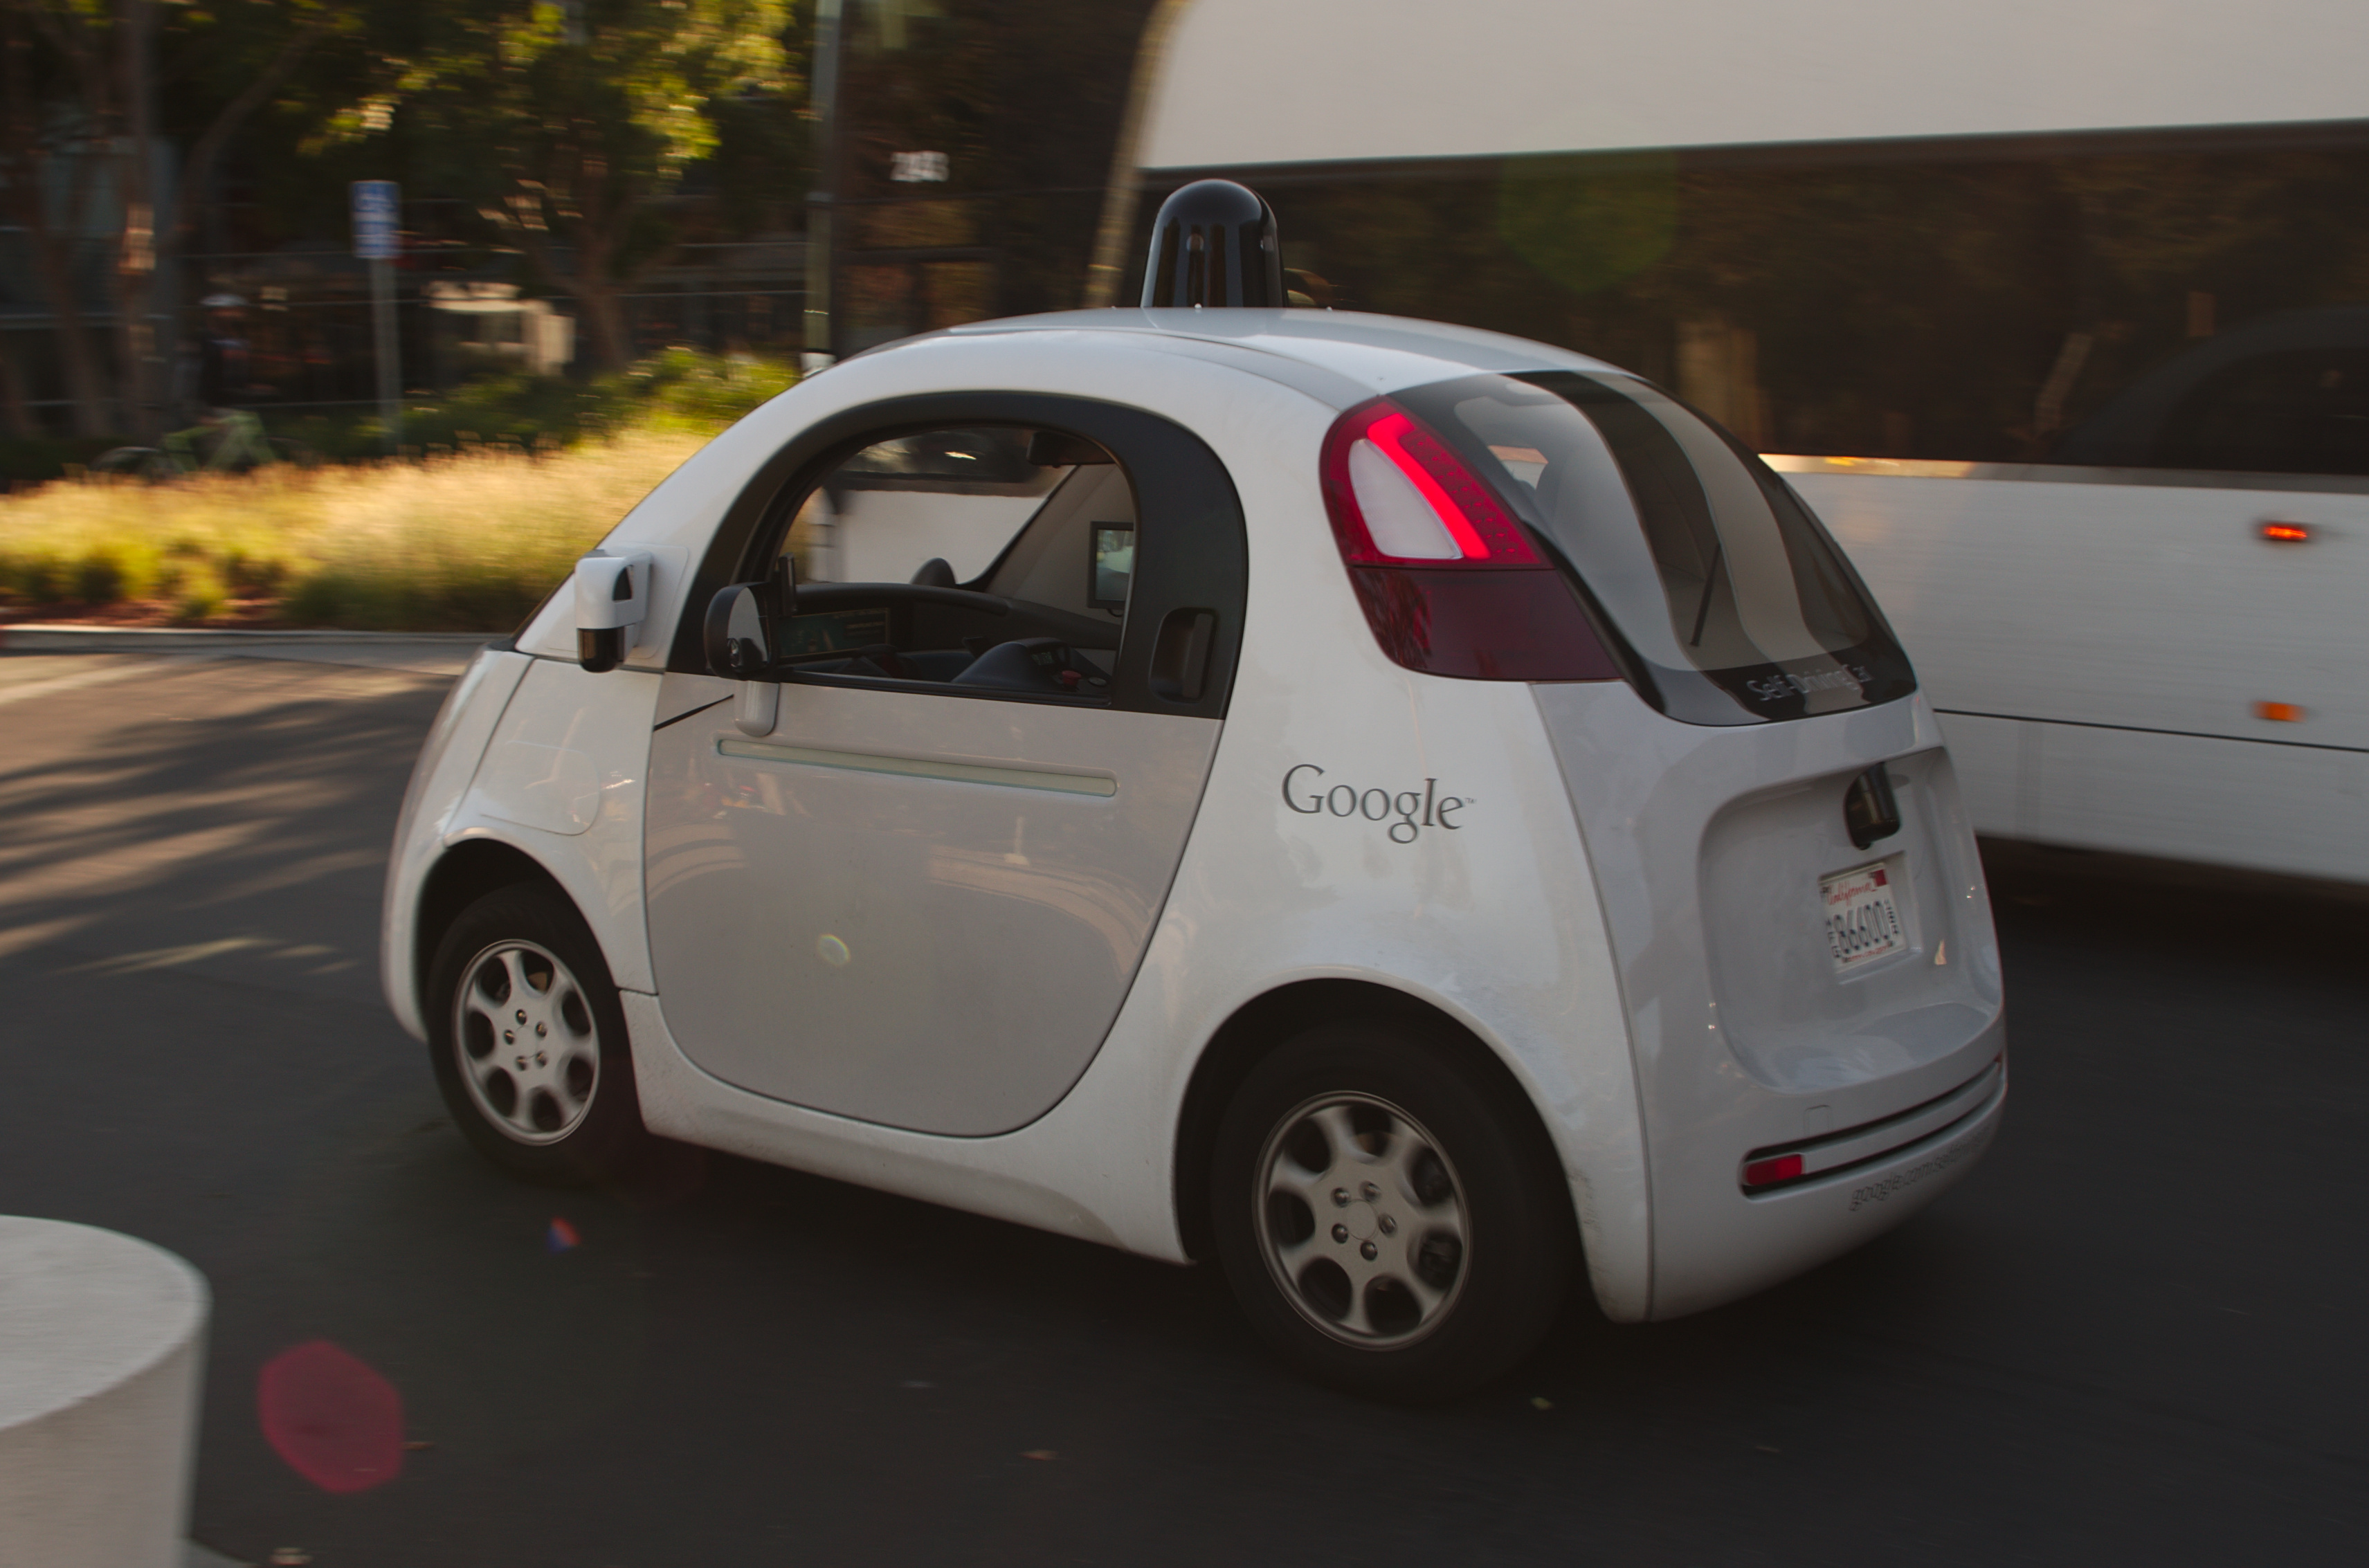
(1862, 917)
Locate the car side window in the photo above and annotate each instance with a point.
(1109, 536)
(977, 560)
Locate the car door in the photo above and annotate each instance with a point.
(919, 895)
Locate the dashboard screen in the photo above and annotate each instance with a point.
(1112, 564)
(833, 631)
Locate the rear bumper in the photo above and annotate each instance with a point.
(1776, 1168)
(1749, 1240)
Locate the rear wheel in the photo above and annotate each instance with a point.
(529, 1040)
(139, 461)
(1390, 1221)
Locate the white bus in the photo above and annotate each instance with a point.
(2057, 311)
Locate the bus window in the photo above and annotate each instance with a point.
(1959, 301)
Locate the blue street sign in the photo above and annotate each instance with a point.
(377, 208)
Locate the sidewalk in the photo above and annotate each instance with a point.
(424, 653)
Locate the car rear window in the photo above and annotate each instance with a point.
(1727, 590)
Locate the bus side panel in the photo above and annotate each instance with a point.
(2105, 658)
(2288, 809)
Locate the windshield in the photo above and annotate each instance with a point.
(1722, 585)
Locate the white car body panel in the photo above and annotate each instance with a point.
(562, 780)
(1490, 913)
(2095, 652)
(1725, 832)
(448, 760)
(799, 894)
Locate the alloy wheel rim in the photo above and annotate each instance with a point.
(525, 1042)
(1361, 1218)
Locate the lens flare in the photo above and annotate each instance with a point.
(331, 1417)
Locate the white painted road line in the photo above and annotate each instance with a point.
(102, 676)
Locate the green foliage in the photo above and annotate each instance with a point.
(100, 577)
(198, 594)
(684, 390)
(533, 413)
(680, 390)
(31, 459)
(567, 131)
(458, 596)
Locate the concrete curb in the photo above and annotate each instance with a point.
(102, 1346)
(198, 639)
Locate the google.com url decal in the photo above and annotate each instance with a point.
(1876, 1192)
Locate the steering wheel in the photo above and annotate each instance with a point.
(1045, 664)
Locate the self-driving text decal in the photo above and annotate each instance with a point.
(1786, 684)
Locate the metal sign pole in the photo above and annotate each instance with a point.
(377, 204)
(820, 200)
(387, 350)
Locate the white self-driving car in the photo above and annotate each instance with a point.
(1395, 809)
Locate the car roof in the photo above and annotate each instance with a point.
(1353, 355)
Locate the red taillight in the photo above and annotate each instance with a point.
(1449, 580)
(1770, 1173)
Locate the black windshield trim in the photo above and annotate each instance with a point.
(1664, 484)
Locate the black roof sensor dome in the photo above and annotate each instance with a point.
(1214, 244)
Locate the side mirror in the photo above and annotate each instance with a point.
(613, 595)
(738, 636)
(739, 632)
(739, 645)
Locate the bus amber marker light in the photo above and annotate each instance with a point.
(2278, 712)
(2286, 532)
(1449, 580)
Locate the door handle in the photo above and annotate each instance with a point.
(1871, 811)
(1180, 656)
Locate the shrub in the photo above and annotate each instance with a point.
(466, 540)
(112, 571)
(199, 595)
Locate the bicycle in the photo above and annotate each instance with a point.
(228, 440)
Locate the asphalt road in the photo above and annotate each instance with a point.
(2135, 1336)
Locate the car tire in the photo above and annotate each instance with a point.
(146, 463)
(1392, 1221)
(527, 1039)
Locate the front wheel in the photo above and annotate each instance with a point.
(527, 1039)
(1390, 1219)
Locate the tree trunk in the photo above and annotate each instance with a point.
(602, 316)
(85, 382)
(16, 403)
(35, 167)
(198, 167)
(608, 345)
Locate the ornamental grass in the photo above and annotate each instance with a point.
(466, 540)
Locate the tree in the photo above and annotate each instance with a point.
(572, 126)
(81, 118)
(46, 182)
